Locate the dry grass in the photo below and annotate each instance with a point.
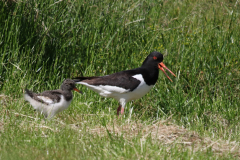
(163, 132)
(4, 99)
(168, 134)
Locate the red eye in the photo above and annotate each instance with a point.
(154, 57)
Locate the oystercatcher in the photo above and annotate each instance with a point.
(127, 85)
(53, 101)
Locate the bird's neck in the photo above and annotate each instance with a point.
(68, 95)
(150, 75)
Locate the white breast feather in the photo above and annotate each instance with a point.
(141, 90)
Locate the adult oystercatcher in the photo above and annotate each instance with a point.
(127, 85)
(53, 101)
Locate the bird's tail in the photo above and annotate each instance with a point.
(29, 93)
(28, 96)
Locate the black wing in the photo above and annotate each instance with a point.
(122, 79)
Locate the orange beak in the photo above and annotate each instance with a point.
(162, 66)
(75, 89)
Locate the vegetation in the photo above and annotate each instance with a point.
(194, 117)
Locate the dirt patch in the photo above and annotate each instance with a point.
(168, 133)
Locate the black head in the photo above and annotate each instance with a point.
(69, 85)
(154, 60)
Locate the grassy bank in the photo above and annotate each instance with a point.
(195, 117)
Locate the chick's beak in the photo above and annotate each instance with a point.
(75, 89)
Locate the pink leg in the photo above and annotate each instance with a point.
(122, 111)
(120, 108)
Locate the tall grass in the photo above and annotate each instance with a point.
(44, 42)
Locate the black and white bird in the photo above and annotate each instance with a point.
(52, 102)
(127, 85)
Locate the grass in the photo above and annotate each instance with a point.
(195, 117)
